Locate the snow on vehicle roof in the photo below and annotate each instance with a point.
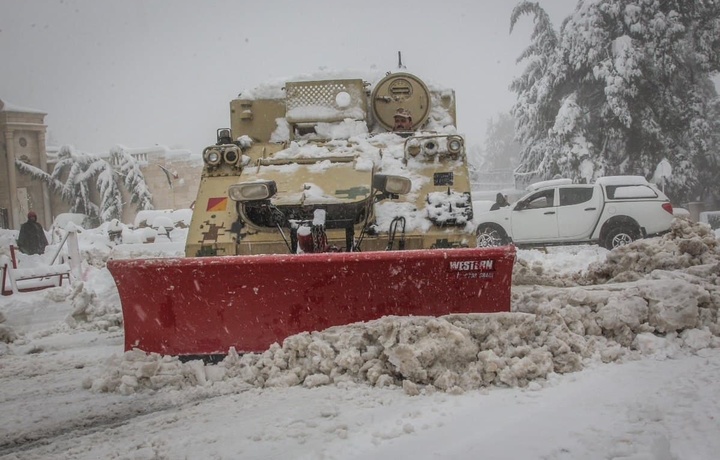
(274, 88)
(606, 180)
(548, 183)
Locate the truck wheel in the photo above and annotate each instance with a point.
(489, 236)
(620, 236)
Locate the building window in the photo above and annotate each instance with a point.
(23, 142)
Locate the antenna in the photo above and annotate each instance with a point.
(400, 64)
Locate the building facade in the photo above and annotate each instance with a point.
(23, 138)
(171, 176)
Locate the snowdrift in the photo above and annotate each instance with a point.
(657, 297)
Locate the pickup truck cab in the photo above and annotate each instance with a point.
(613, 211)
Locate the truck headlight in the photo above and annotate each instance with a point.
(430, 147)
(413, 147)
(455, 145)
(397, 185)
(231, 155)
(252, 191)
(212, 156)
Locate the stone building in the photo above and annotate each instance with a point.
(23, 138)
(172, 176)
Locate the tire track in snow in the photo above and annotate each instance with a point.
(56, 436)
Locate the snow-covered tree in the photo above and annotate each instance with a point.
(501, 149)
(79, 168)
(111, 201)
(132, 177)
(623, 85)
(75, 173)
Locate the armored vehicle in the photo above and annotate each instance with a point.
(325, 202)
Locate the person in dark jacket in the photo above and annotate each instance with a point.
(32, 239)
(500, 202)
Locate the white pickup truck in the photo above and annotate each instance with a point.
(613, 211)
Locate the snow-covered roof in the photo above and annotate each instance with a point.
(158, 150)
(8, 107)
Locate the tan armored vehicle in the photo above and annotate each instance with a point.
(340, 200)
(325, 153)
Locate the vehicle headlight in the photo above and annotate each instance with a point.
(397, 185)
(231, 155)
(212, 156)
(455, 145)
(413, 148)
(430, 148)
(252, 191)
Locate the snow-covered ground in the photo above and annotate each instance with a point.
(606, 355)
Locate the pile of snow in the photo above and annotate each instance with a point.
(570, 263)
(91, 312)
(686, 245)
(93, 299)
(179, 217)
(7, 334)
(7, 238)
(550, 331)
(453, 353)
(559, 323)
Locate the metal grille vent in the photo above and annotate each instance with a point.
(334, 100)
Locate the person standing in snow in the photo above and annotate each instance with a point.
(500, 202)
(32, 239)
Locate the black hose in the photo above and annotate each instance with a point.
(393, 231)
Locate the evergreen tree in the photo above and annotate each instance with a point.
(623, 85)
(133, 178)
(501, 149)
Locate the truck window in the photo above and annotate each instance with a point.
(571, 196)
(617, 192)
(544, 199)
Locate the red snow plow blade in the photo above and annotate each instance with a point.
(204, 306)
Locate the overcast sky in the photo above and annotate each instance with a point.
(140, 73)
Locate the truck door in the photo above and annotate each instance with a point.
(578, 212)
(535, 218)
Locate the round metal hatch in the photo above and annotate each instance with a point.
(400, 90)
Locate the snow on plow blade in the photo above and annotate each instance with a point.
(205, 306)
